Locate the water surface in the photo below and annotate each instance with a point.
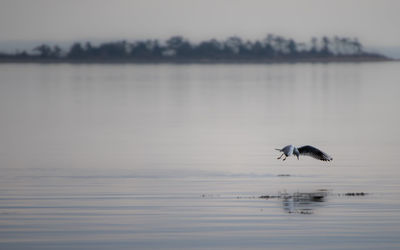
(176, 156)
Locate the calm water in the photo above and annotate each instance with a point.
(176, 156)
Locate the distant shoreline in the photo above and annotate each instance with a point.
(178, 50)
(347, 59)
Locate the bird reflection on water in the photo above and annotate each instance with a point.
(301, 202)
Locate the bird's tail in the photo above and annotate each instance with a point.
(278, 149)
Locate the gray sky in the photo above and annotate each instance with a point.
(375, 22)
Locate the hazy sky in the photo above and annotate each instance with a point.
(374, 22)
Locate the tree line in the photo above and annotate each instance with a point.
(178, 48)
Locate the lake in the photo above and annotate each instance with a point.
(165, 156)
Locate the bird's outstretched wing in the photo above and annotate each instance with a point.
(314, 152)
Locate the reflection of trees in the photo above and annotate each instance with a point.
(176, 48)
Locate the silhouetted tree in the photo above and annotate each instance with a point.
(257, 50)
(233, 44)
(314, 46)
(144, 50)
(180, 46)
(357, 46)
(76, 51)
(211, 49)
(56, 53)
(268, 50)
(292, 47)
(44, 50)
(325, 46)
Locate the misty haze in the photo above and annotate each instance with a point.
(154, 124)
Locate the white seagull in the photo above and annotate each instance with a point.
(304, 150)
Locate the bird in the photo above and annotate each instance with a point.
(304, 150)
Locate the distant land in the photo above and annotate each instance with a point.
(177, 49)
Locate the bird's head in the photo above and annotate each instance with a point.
(296, 153)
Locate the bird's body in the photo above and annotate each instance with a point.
(288, 150)
(304, 150)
